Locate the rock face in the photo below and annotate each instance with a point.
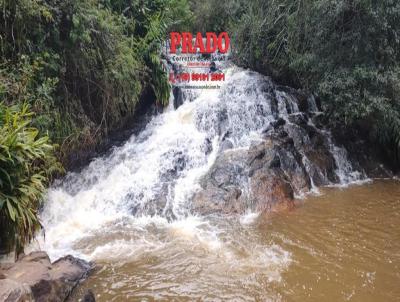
(292, 155)
(254, 179)
(14, 291)
(35, 278)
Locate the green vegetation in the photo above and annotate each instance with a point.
(345, 51)
(82, 67)
(27, 163)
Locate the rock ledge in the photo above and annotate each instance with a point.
(34, 278)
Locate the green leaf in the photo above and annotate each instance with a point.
(11, 211)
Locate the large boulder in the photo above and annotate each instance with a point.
(262, 178)
(34, 278)
(270, 190)
(221, 186)
(315, 148)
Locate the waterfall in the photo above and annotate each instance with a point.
(111, 207)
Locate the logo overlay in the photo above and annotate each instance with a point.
(195, 61)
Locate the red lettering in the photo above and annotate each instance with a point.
(175, 41)
(187, 43)
(199, 43)
(214, 38)
(223, 48)
(213, 42)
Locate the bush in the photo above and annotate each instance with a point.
(27, 163)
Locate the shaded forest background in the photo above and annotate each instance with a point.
(72, 72)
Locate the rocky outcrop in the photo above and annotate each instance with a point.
(34, 278)
(254, 179)
(178, 96)
(293, 154)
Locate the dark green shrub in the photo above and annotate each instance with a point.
(27, 163)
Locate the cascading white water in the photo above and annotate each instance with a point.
(136, 200)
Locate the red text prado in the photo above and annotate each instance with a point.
(189, 45)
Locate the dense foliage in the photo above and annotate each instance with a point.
(82, 66)
(345, 51)
(27, 163)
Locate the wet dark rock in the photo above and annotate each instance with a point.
(267, 129)
(89, 296)
(298, 118)
(278, 122)
(292, 164)
(178, 97)
(323, 166)
(282, 134)
(178, 164)
(35, 278)
(156, 205)
(301, 97)
(276, 162)
(277, 134)
(274, 105)
(226, 135)
(315, 146)
(303, 103)
(222, 185)
(207, 146)
(274, 129)
(319, 120)
(262, 178)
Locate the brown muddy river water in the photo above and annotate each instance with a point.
(343, 245)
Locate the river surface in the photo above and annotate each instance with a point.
(341, 245)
